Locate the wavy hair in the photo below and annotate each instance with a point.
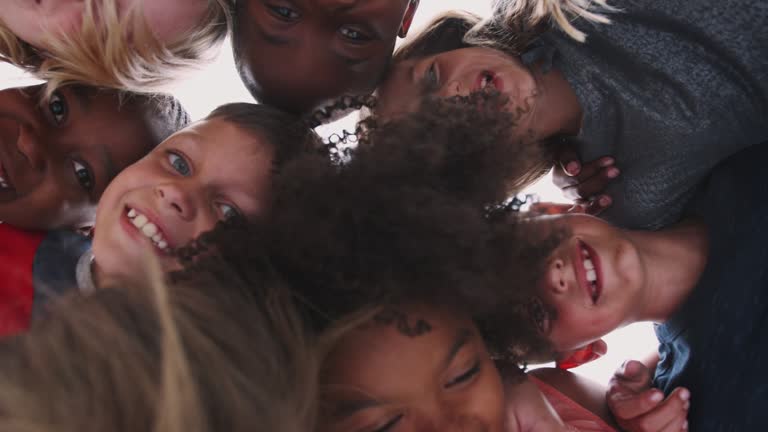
(115, 52)
(418, 214)
(513, 26)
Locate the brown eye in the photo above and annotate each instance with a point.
(228, 212)
(284, 13)
(354, 34)
(83, 175)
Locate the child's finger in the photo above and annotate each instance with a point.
(626, 406)
(670, 415)
(570, 162)
(593, 206)
(632, 376)
(594, 185)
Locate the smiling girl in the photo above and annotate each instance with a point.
(133, 45)
(666, 91)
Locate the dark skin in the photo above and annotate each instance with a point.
(585, 183)
(326, 47)
(58, 155)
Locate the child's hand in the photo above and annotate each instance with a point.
(584, 183)
(638, 407)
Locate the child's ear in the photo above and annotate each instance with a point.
(408, 18)
(584, 355)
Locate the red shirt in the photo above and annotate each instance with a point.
(17, 253)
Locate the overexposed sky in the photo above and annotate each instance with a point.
(218, 83)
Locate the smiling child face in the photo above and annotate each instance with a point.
(204, 174)
(57, 156)
(379, 379)
(326, 47)
(592, 280)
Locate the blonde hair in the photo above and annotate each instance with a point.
(198, 357)
(115, 52)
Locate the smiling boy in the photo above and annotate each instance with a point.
(58, 155)
(298, 54)
(703, 281)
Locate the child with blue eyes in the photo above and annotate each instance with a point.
(213, 170)
(57, 155)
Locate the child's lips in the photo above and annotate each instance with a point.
(146, 228)
(489, 80)
(587, 269)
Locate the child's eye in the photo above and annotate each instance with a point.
(179, 164)
(354, 34)
(228, 211)
(58, 108)
(431, 78)
(284, 13)
(83, 175)
(465, 376)
(390, 425)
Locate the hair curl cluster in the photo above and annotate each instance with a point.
(415, 216)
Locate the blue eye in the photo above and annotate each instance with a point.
(179, 164)
(58, 108)
(431, 77)
(83, 175)
(354, 34)
(228, 211)
(284, 13)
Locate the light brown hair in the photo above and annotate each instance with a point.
(207, 355)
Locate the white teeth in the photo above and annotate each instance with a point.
(149, 229)
(487, 78)
(139, 221)
(588, 264)
(591, 275)
(3, 183)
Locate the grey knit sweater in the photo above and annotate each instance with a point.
(670, 88)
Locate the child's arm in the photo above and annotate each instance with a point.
(579, 389)
(638, 407)
(528, 409)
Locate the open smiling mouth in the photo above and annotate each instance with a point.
(489, 80)
(149, 229)
(590, 262)
(5, 180)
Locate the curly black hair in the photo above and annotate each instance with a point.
(417, 215)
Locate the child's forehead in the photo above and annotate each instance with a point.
(219, 138)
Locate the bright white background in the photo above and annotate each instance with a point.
(218, 83)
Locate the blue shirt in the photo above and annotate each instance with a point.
(716, 344)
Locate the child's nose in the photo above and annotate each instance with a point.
(28, 144)
(556, 276)
(453, 88)
(174, 199)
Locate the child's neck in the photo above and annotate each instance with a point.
(559, 110)
(673, 260)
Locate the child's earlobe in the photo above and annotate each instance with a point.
(408, 18)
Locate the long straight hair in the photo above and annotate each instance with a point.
(204, 356)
